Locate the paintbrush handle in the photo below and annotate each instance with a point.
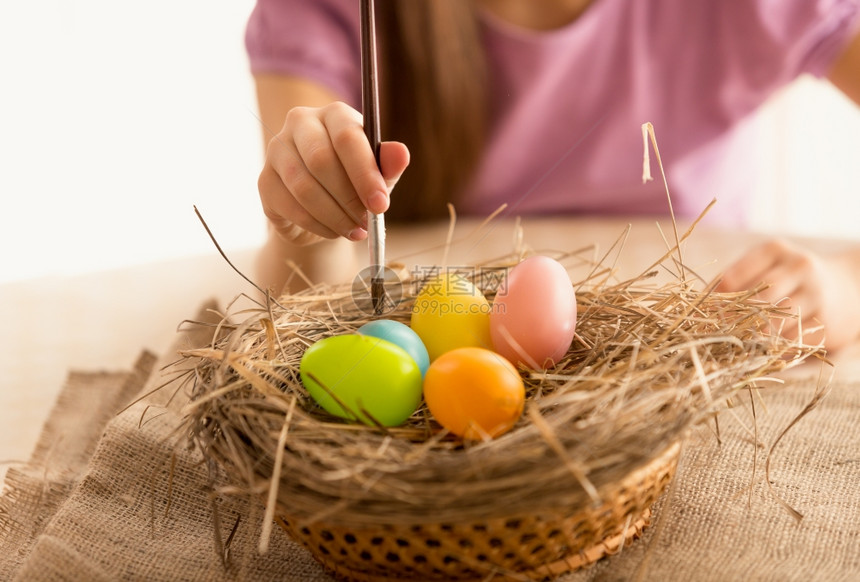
(370, 110)
(369, 77)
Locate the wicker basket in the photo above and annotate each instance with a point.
(534, 547)
(605, 424)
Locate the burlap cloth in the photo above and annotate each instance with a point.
(96, 502)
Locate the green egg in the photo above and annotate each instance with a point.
(353, 376)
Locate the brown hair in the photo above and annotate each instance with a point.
(433, 98)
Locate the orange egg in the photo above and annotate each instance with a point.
(474, 393)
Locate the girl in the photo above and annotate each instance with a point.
(538, 104)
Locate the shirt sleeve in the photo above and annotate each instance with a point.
(810, 34)
(313, 39)
(770, 43)
(723, 59)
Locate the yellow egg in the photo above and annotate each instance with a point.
(449, 313)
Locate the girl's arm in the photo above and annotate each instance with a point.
(845, 74)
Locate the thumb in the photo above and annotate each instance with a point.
(393, 159)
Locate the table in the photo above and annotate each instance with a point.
(103, 320)
(95, 321)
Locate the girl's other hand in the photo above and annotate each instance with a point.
(320, 177)
(823, 290)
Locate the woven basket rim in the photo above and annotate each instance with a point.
(668, 457)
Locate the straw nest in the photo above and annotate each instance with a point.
(648, 362)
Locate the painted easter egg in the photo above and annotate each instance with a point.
(474, 393)
(533, 318)
(399, 334)
(450, 312)
(361, 377)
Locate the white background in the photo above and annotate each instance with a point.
(116, 118)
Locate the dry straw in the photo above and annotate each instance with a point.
(649, 361)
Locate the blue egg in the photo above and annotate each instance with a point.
(401, 335)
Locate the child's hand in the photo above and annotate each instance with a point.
(320, 175)
(824, 289)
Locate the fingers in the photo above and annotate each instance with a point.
(292, 198)
(749, 270)
(774, 263)
(321, 175)
(791, 278)
(356, 157)
(315, 144)
(394, 158)
(285, 214)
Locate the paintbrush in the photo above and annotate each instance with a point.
(370, 109)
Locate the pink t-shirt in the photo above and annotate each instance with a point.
(568, 105)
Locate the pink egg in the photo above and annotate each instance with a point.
(533, 317)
